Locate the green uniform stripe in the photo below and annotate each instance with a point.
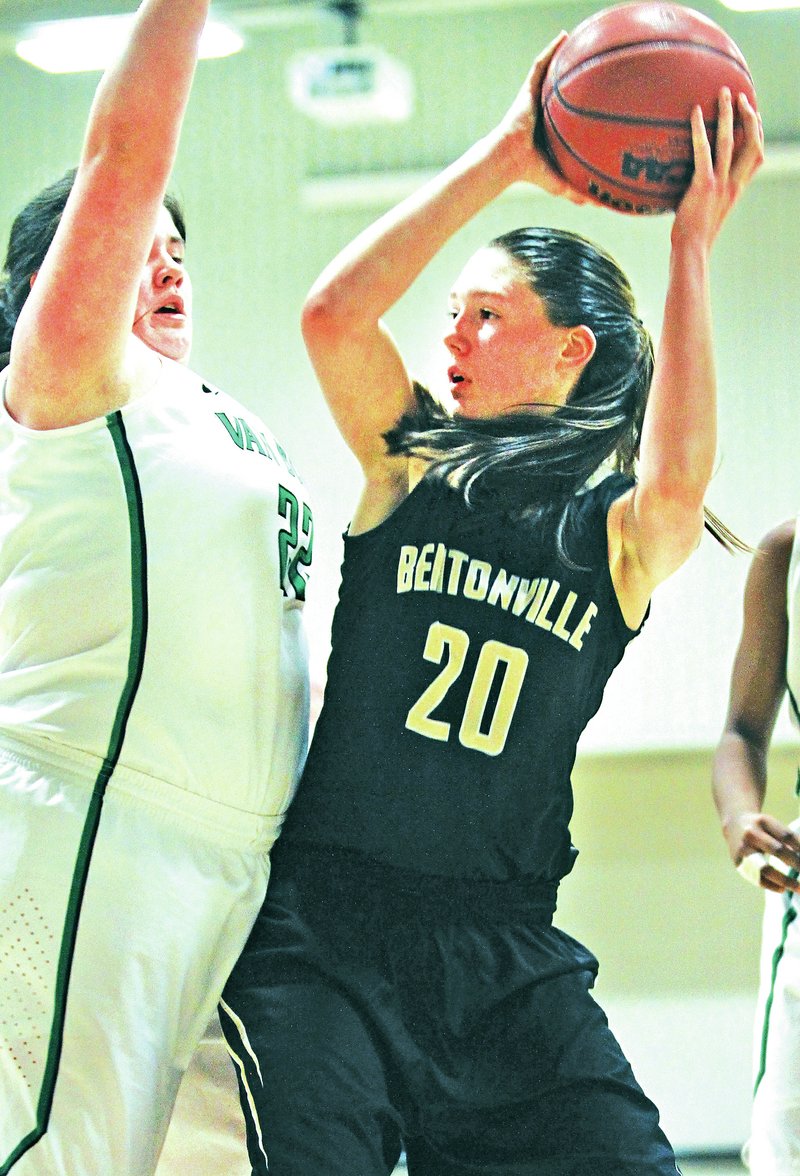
(793, 704)
(136, 652)
(788, 918)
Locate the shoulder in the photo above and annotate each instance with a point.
(769, 568)
(778, 542)
(590, 508)
(760, 667)
(602, 493)
(41, 399)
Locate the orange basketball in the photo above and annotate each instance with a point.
(618, 95)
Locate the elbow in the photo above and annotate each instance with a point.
(317, 318)
(671, 527)
(749, 733)
(114, 162)
(680, 485)
(674, 489)
(329, 316)
(677, 507)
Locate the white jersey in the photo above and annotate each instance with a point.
(793, 642)
(151, 563)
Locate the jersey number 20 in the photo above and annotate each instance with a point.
(477, 730)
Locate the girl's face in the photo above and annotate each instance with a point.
(507, 355)
(163, 317)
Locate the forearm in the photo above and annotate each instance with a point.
(137, 111)
(72, 342)
(680, 433)
(739, 780)
(377, 268)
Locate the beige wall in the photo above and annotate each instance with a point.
(653, 892)
(676, 931)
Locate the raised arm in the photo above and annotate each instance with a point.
(654, 528)
(73, 356)
(358, 365)
(758, 686)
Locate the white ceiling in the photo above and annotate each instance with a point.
(770, 41)
(16, 13)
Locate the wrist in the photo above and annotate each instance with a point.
(690, 239)
(733, 820)
(509, 152)
(689, 249)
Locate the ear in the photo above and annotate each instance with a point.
(578, 348)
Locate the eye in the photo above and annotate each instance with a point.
(486, 314)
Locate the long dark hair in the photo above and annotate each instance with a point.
(530, 462)
(31, 236)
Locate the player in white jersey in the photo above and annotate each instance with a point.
(155, 544)
(767, 852)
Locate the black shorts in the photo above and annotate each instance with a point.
(372, 1013)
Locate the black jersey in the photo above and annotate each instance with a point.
(467, 657)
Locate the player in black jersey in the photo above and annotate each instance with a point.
(404, 987)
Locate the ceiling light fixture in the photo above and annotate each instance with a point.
(92, 43)
(351, 84)
(760, 5)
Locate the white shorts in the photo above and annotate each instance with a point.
(93, 1042)
(206, 1135)
(773, 1148)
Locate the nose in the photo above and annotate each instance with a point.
(168, 272)
(454, 340)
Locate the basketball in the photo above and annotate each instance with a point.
(617, 100)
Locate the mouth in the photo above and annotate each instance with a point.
(456, 380)
(174, 308)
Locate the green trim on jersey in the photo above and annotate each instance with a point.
(138, 642)
(788, 918)
(793, 704)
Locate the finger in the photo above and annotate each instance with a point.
(542, 62)
(701, 148)
(751, 867)
(761, 868)
(550, 50)
(775, 879)
(540, 67)
(750, 118)
(774, 847)
(531, 91)
(723, 153)
(751, 154)
(789, 851)
(761, 841)
(768, 835)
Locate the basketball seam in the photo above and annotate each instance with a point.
(631, 120)
(659, 46)
(608, 179)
